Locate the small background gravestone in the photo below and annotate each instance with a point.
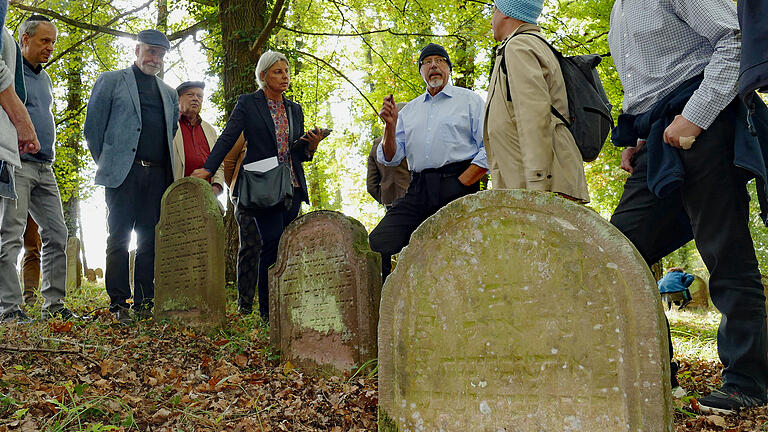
(699, 294)
(189, 255)
(131, 266)
(90, 274)
(74, 266)
(513, 310)
(324, 293)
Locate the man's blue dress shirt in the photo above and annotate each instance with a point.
(433, 131)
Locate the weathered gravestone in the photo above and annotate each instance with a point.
(699, 294)
(74, 267)
(513, 310)
(90, 274)
(189, 255)
(100, 272)
(324, 293)
(131, 266)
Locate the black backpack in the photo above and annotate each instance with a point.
(590, 119)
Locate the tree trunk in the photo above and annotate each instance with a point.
(162, 25)
(68, 161)
(241, 22)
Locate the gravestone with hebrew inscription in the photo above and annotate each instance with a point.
(189, 255)
(324, 293)
(513, 310)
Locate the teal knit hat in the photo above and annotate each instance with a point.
(524, 10)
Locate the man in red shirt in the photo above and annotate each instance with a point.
(195, 138)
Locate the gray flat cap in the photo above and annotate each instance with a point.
(189, 84)
(153, 37)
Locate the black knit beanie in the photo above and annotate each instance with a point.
(434, 49)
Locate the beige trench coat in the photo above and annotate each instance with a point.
(528, 147)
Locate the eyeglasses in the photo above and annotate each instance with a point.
(436, 61)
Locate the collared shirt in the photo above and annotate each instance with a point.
(656, 45)
(433, 131)
(196, 148)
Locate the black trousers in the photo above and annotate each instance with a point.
(134, 205)
(715, 199)
(260, 233)
(428, 192)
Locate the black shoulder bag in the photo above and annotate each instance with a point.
(261, 190)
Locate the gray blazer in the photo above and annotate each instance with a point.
(113, 123)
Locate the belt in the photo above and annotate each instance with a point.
(147, 163)
(448, 170)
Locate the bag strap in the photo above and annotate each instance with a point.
(558, 56)
(290, 123)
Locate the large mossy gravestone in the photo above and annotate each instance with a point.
(513, 310)
(189, 255)
(324, 293)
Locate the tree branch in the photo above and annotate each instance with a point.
(71, 116)
(386, 30)
(267, 30)
(70, 21)
(339, 73)
(4, 347)
(94, 34)
(181, 34)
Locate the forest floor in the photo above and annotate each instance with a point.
(95, 375)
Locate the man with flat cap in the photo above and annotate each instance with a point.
(195, 138)
(131, 120)
(440, 133)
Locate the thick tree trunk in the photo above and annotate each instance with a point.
(68, 159)
(69, 150)
(241, 22)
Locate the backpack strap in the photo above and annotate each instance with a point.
(558, 56)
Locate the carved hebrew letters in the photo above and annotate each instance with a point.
(324, 293)
(189, 254)
(528, 313)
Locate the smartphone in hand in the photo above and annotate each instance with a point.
(323, 131)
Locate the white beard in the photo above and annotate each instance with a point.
(151, 69)
(435, 82)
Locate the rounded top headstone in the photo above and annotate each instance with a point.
(520, 310)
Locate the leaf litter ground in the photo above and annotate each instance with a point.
(97, 376)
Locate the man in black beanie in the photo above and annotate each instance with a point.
(440, 133)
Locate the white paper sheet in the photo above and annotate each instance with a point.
(261, 166)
